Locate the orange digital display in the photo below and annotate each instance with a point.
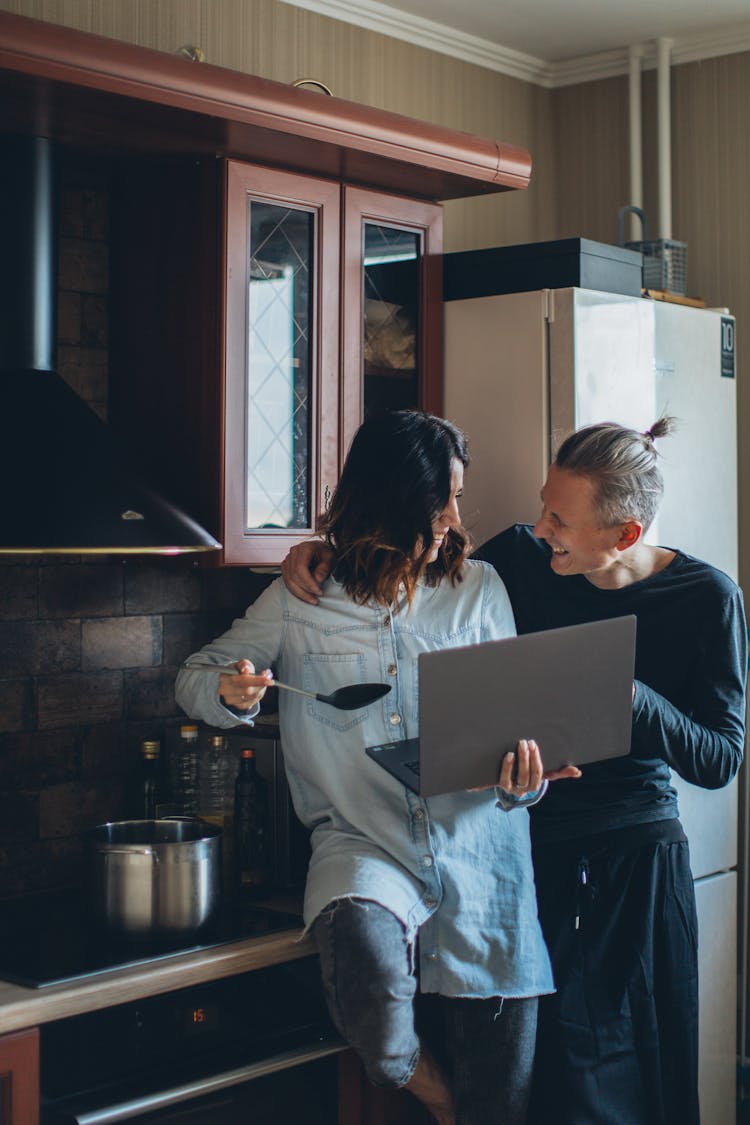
(200, 1018)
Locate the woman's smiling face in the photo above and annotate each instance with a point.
(450, 515)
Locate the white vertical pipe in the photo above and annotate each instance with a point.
(635, 54)
(663, 110)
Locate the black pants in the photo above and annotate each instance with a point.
(618, 1043)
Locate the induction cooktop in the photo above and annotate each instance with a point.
(50, 938)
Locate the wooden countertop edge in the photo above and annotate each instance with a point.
(22, 1007)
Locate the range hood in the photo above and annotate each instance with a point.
(68, 486)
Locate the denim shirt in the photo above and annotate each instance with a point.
(455, 867)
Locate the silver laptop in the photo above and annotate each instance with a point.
(569, 689)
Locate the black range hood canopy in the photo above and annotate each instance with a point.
(68, 487)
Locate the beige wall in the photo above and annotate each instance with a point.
(590, 130)
(710, 175)
(577, 135)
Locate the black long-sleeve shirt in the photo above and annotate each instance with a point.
(690, 667)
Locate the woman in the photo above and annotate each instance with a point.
(618, 1042)
(402, 892)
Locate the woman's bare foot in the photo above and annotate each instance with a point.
(429, 1086)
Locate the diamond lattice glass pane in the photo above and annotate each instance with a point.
(391, 313)
(279, 313)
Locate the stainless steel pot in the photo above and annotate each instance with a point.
(154, 878)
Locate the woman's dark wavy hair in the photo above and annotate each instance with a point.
(396, 480)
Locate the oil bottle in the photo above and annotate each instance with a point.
(252, 839)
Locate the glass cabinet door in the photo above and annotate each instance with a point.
(392, 306)
(281, 407)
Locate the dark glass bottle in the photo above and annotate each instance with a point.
(252, 842)
(148, 789)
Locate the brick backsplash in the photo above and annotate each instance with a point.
(150, 589)
(88, 660)
(80, 591)
(121, 642)
(89, 650)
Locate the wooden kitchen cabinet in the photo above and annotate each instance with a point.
(279, 368)
(197, 154)
(258, 316)
(293, 401)
(19, 1078)
(392, 334)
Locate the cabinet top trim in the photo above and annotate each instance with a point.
(91, 90)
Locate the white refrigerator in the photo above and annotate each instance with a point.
(522, 370)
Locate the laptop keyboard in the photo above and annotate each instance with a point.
(413, 766)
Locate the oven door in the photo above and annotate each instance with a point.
(299, 1085)
(257, 1048)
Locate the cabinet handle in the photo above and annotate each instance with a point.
(134, 1107)
(196, 54)
(326, 498)
(313, 82)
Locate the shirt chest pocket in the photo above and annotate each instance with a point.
(323, 673)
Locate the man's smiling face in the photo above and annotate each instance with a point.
(571, 525)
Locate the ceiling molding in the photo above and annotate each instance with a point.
(386, 20)
(690, 48)
(712, 44)
(433, 36)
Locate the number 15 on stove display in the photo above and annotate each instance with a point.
(201, 1018)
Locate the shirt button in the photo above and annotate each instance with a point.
(427, 861)
(386, 621)
(419, 814)
(392, 669)
(432, 956)
(429, 903)
(395, 719)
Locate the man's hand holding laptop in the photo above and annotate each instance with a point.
(522, 771)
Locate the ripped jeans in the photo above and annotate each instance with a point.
(484, 1046)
